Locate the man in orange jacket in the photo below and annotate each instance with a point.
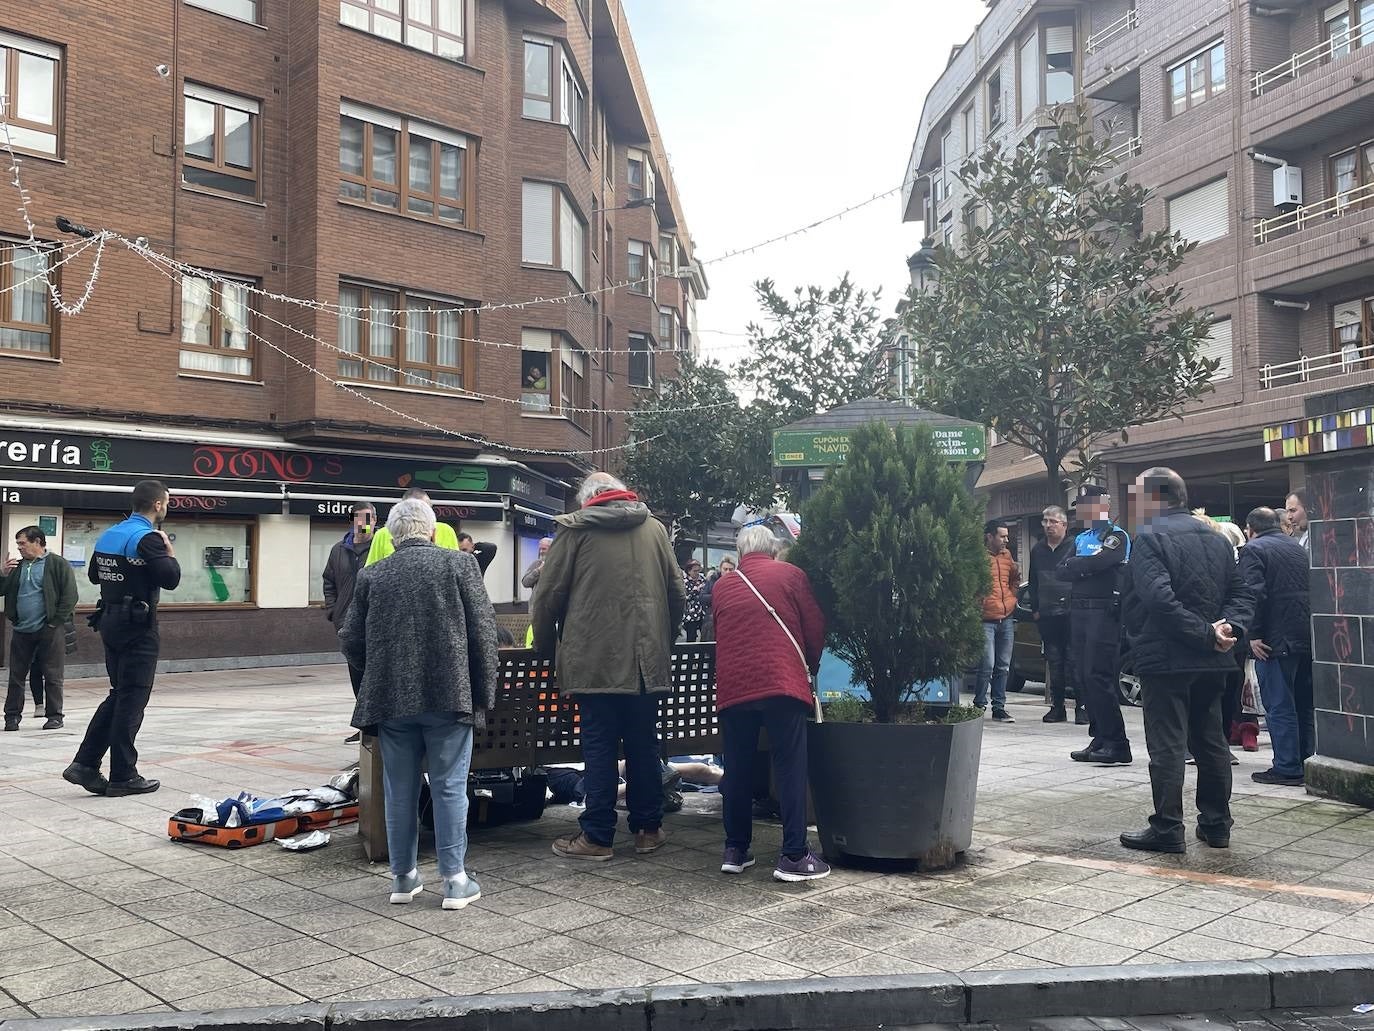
(999, 624)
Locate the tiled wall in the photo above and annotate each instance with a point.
(1342, 537)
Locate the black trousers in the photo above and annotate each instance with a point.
(1182, 715)
(785, 720)
(46, 649)
(1054, 634)
(691, 628)
(131, 661)
(36, 681)
(1097, 665)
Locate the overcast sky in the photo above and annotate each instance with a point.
(778, 112)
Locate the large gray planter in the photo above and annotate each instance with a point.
(895, 791)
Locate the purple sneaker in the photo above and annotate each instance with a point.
(808, 868)
(736, 860)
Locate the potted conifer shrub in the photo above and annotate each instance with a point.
(893, 545)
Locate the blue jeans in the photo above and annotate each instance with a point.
(1285, 687)
(997, 641)
(448, 746)
(608, 720)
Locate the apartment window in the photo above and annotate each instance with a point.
(607, 336)
(606, 270)
(1218, 346)
(667, 254)
(220, 142)
(1347, 25)
(216, 326)
(434, 26)
(31, 77)
(1352, 170)
(1028, 70)
(242, 10)
(1059, 62)
(26, 319)
(994, 101)
(403, 166)
(1197, 78)
(1202, 214)
(552, 232)
(552, 84)
(573, 102)
(667, 327)
(573, 392)
(947, 230)
(639, 174)
(946, 157)
(641, 361)
(400, 337)
(637, 272)
(970, 219)
(969, 140)
(1351, 330)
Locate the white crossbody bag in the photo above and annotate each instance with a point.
(806, 668)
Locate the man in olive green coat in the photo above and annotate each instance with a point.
(609, 604)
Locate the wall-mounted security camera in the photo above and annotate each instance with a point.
(162, 71)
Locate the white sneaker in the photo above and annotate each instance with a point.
(460, 891)
(403, 889)
(39, 712)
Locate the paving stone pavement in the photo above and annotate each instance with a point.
(101, 913)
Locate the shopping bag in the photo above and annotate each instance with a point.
(1250, 701)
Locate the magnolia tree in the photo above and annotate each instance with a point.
(1056, 321)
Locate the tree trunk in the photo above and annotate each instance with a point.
(1055, 479)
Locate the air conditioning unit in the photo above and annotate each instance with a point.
(1287, 185)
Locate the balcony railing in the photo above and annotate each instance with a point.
(1350, 359)
(1120, 27)
(1362, 34)
(1129, 149)
(1303, 215)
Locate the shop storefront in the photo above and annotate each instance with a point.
(253, 521)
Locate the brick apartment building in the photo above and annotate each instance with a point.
(411, 166)
(1214, 103)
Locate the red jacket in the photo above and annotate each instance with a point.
(754, 658)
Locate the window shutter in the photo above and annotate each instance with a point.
(1218, 346)
(537, 224)
(1059, 39)
(1202, 214)
(1030, 75)
(571, 237)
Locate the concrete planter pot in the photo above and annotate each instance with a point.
(895, 791)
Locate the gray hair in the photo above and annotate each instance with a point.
(597, 483)
(755, 540)
(1055, 512)
(411, 519)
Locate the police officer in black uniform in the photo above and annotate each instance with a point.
(1095, 569)
(133, 562)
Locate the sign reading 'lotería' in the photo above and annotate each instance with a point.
(808, 448)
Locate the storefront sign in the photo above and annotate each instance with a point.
(123, 459)
(118, 501)
(447, 510)
(809, 449)
(1341, 431)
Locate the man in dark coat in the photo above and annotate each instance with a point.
(1049, 593)
(1185, 607)
(346, 558)
(1276, 568)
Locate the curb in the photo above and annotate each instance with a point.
(840, 1003)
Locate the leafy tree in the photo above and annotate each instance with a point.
(894, 549)
(819, 350)
(1055, 321)
(709, 454)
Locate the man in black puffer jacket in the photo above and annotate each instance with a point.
(1276, 568)
(1185, 606)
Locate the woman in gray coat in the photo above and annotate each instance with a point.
(423, 631)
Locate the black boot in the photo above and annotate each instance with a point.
(1150, 840)
(1057, 714)
(1080, 716)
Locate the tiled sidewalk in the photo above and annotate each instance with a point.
(100, 913)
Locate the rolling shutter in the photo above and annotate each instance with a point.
(1218, 346)
(537, 224)
(1202, 214)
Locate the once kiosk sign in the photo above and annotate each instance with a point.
(809, 448)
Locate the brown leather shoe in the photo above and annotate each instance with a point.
(578, 847)
(650, 841)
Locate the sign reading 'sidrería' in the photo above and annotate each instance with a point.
(52, 452)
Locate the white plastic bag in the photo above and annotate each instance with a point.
(1250, 702)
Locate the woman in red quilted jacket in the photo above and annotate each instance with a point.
(769, 638)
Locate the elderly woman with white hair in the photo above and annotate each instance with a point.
(769, 636)
(423, 631)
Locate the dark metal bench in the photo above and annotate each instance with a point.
(532, 725)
